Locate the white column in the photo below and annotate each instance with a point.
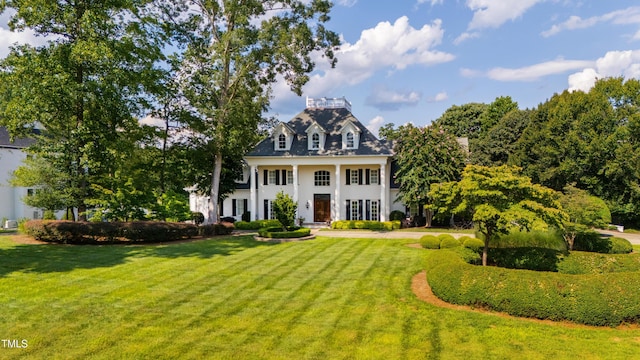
(254, 199)
(336, 201)
(295, 184)
(384, 204)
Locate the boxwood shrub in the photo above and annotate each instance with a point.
(593, 299)
(530, 258)
(277, 233)
(76, 232)
(447, 241)
(366, 224)
(430, 242)
(620, 246)
(472, 243)
(256, 224)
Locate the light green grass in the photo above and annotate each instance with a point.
(438, 230)
(235, 298)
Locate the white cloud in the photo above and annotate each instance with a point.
(537, 71)
(612, 64)
(465, 72)
(384, 47)
(441, 96)
(9, 38)
(375, 124)
(629, 15)
(636, 36)
(494, 13)
(347, 3)
(466, 36)
(385, 99)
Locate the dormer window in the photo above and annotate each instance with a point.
(315, 141)
(282, 137)
(282, 141)
(315, 136)
(350, 141)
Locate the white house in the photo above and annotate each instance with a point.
(11, 156)
(326, 160)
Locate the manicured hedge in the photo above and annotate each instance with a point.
(257, 224)
(580, 262)
(447, 241)
(366, 224)
(430, 242)
(472, 243)
(594, 299)
(77, 232)
(593, 242)
(277, 233)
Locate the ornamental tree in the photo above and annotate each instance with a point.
(500, 199)
(285, 209)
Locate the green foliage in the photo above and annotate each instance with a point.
(498, 143)
(529, 258)
(277, 233)
(397, 215)
(49, 215)
(472, 243)
(171, 206)
(462, 120)
(587, 299)
(585, 209)
(197, 217)
(620, 246)
(366, 224)
(539, 239)
(285, 210)
(425, 156)
(257, 224)
(447, 241)
(579, 262)
(430, 242)
(500, 199)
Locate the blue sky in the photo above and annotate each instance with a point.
(409, 60)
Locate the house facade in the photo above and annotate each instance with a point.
(11, 156)
(332, 166)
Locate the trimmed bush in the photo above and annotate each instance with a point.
(277, 233)
(601, 300)
(591, 241)
(620, 246)
(397, 215)
(197, 217)
(529, 258)
(257, 224)
(580, 262)
(534, 239)
(472, 243)
(70, 232)
(447, 241)
(365, 224)
(430, 242)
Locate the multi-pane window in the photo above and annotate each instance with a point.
(350, 141)
(373, 176)
(272, 176)
(315, 141)
(355, 210)
(322, 178)
(289, 177)
(354, 177)
(282, 141)
(374, 210)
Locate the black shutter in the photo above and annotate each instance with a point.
(284, 177)
(379, 183)
(221, 205)
(257, 178)
(348, 210)
(234, 210)
(367, 175)
(266, 209)
(368, 209)
(348, 177)
(359, 209)
(359, 176)
(277, 177)
(265, 180)
(379, 210)
(246, 205)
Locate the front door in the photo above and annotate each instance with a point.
(321, 207)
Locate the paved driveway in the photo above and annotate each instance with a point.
(633, 238)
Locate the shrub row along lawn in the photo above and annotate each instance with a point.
(233, 297)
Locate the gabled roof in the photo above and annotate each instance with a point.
(283, 126)
(18, 143)
(314, 125)
(333, 121)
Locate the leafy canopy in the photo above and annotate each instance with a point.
(285, 209)
(500, 199)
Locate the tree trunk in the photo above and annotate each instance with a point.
(428, 214)
(215, 189)
(485, 250)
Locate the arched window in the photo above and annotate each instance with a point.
(315, 141)
(321, 178)
(282, 141)
(350, 143)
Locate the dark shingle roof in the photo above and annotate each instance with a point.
(332, 120)
(18, 143)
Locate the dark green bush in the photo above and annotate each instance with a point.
(591, 241)
(246, 216)
(257, 224)
(397, 215)
(447, 241)
(529, 258)
(70, 232)
(430, 242)
(49, 215)
(472, 243)
(601, 300)
(277, 233)
(197, 217)
(620, 246)
(538, 239)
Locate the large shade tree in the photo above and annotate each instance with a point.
(500, 199)
(81, 88)
(234, 51)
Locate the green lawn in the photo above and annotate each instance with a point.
(235, 298)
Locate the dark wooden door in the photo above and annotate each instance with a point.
(321, 207)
